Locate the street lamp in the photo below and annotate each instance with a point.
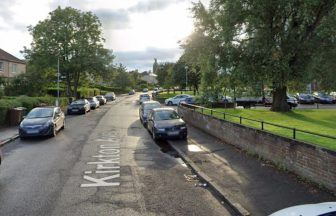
(58, 81)
(186, 69)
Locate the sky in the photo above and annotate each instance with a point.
(136, 30)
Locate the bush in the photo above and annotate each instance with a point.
(2, 92)
(27, 102)
(5, 105)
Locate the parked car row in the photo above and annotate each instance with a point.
(316, 97)
(162, 123)
(49, 120)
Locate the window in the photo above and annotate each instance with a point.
(14, 68)
(1, 66)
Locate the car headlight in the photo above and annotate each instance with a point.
(183, 127)
(160, 129)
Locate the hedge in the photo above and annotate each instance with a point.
(27, 102)
(82, 92)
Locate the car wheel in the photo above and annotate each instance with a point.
(154, 136)
(54, 132)
(170, 103)
(184, 137)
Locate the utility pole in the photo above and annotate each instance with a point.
(58, 79)
(186, 69)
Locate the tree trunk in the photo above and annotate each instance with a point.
(280, 100)
(76, 81)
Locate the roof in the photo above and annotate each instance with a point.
(163, 109)
(8, 57)
(150, 102)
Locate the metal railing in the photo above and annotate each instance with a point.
(240, 119)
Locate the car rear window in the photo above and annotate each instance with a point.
(78, 102)
(151, 106)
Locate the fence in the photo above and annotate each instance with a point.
(291, 132)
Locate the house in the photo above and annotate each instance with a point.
(149, 77)
(10, 66)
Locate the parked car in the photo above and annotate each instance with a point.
(320, 209)
(94, 103)
(305, 98)
(81, 106)
(226, 99)
(322, 98)
(188, 100)
(333, 95)
(110, 96)
(292, 101)
(143, 98)
(145, 90)
(42, 121)
(166, 123)
(145, 108)
(176, 100)
(102, 100)
(132, 92)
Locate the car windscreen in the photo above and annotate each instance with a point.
(90, 99)
(143, 96)
(78, 102)
(40, 113)
(151, 106)
(166, 115)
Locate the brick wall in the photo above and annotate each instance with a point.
(308, 161)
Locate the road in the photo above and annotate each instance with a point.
(103, 163)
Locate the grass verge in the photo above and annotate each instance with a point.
(316, 121)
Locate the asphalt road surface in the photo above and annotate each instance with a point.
(103, 163)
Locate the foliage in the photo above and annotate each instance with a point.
(272, 42)
(25, 101)
(74, 38)
(122, 79)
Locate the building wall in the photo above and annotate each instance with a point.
(8, 69)
(308, 161)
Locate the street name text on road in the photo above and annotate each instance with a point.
(107, 163)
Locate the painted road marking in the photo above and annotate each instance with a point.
(106, 162)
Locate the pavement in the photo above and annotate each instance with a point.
(251, 185)
(8, 134)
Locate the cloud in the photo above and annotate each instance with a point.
(7, 16)
(152, 5)
(113, 19)
(143, 60)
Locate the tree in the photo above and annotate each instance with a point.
(75, 39)
(266, 40)
(122, 79)
(163, 73)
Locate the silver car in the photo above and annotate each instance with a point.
(94, 103)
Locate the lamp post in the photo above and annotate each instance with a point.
(58, 80)
(186, 69)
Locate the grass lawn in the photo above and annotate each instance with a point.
(171, 93)
(318, 121)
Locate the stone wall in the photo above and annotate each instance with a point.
(308, 161)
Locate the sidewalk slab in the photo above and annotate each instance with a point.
(8, 135)
(256, 185)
